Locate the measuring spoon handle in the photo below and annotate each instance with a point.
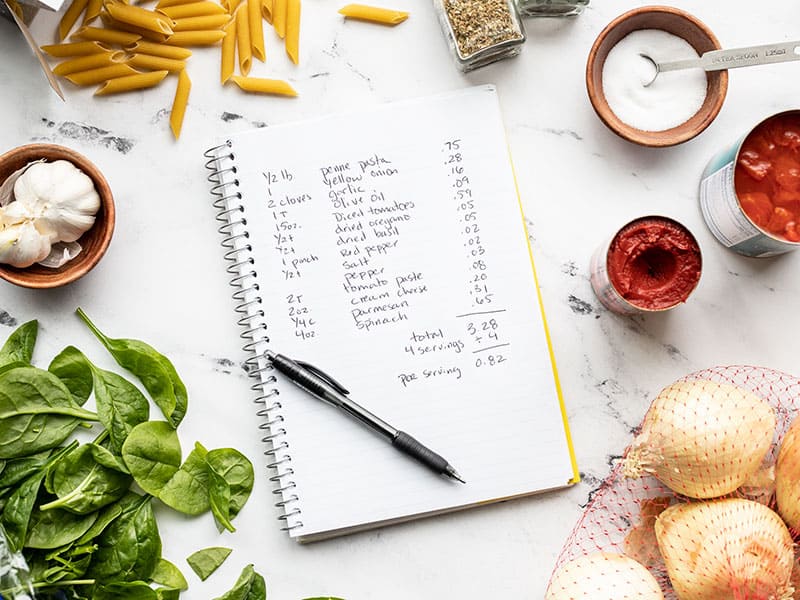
(717, 60)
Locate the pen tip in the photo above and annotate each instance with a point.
(454, 474)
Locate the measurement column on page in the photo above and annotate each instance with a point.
(483, 321)
(285, 200)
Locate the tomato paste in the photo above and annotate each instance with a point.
(767, 176)
(654, 263)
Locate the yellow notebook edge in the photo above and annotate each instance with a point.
(576, 476)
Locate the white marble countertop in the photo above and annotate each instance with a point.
(163, 278)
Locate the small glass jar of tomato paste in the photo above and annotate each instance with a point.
(750, 194)
(652, 264)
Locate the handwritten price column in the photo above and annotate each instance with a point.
(284, 203)
(483, 320)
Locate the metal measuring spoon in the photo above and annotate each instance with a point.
(718, 60)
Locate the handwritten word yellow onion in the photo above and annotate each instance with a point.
(787, 476)
(728, 549)
(603, 576)
(702, 439)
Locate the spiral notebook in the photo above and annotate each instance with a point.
(387, 247)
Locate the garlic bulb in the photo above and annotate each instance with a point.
(603, 576)
(21, 245)
(787, 476)
(727, 549)
(702, 439)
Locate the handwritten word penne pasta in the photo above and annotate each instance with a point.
(70, 17)
(193, 9)
(179, 104)
(93, 10)
(201, 23)
(108, 36)
(228, 52)
(139, 17)
(195, 38)
(266, 10)
(95, 76)
(293, 30)
(153, 36)
(374, 14)
(156, 63)
(264, 86)
(85, 63)
(75, 49)
(130, 83)
(243, 47)
(154, 49)
(279, 17)
(256, 24)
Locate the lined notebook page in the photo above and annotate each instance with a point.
(391, 252)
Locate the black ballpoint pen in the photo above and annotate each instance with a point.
(325, 388)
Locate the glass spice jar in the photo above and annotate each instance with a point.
(481, 31)
(551, 8)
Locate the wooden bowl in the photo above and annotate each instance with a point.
(676, 22)
(94, 242)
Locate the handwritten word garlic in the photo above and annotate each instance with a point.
(702, 439)
(51, 206)
(787, 477)
(727, 549)
(603, 576)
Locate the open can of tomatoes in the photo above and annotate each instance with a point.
(652, 264)
(750, 193)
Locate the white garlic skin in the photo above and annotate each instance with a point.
(21, 245)
(60, 198)
(603, 576)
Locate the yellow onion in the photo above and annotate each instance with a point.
(729, 549)
(702, 439)
(603, 576)
(787, 476)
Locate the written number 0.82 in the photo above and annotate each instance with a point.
(490, 360)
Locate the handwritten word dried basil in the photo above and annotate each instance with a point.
(204, 562)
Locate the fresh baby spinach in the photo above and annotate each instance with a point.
(168, 575)
(54, 528)
(187, 491)
(155, 371)
(231, 481)
(204, 562)
(249, 586)
(152, 453)
(18, 348)
(72, 368)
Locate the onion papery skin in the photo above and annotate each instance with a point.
(787, 477)
(603, 576)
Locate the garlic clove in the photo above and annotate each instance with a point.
(7, 188)
(603, 576)
(702, 439)
(60, 254)
(64, 225)
(13, 214)
(22, 245)
(726, 549)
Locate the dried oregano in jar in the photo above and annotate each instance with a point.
(481, 31)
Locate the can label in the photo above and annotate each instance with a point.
(602, 286)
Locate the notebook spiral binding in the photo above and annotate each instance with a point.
(241, 267)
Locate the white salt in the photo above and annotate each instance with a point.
(673, 98)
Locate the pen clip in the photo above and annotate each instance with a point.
(324, 376)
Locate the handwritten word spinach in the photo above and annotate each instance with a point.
(204, 562)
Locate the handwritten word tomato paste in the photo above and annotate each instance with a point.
(767, 176)
(654, 263)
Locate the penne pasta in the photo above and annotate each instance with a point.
(228, 62)
(193, 9)
(70, 17)
(108, 36)
(156, 63)
(264, 86)
(75, 49)
(130, 83)
(93, 10)
(153, 36)
(201, 23)
(256, 29)
(180, 103)
(266, 10)
(243, 47)
(293, 30)
(374, 14)
(154, 49)
(139, 17)
(95, 76)
(195, 38)
(279, 17)
(85, 63)
(168, 3)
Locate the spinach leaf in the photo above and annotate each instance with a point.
(105, 517)
(130, 546)
(156, 372)
(105, 457)
(19, 345)
(167, 574)
(36, 412)
(72, 368)
(187, 491)
(17, 511)
(133, 590)
(205, 562)
(249, 586)
(82, 484)
(168, 593)
(21, 468)
(55, 528)
(152, 453)
(230, 484)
